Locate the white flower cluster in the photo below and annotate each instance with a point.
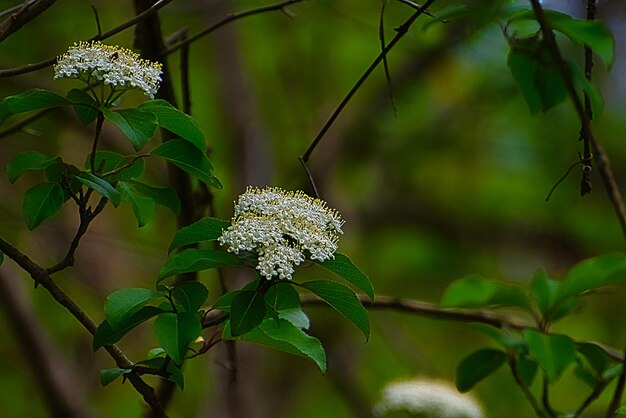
(428, 398)
(113, 65)
(283, 229)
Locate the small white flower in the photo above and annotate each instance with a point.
(427, 398)
(113, 65)
(283, 228)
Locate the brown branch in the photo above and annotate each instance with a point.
(25, 14)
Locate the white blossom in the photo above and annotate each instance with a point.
(427, 398)
(113, 65)
(283, 229)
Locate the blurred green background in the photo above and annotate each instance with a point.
(455, 183)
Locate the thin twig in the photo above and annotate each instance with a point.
(527, 393)
(593, 396)
(27, 12)
(381, 38)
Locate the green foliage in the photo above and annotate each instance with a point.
(106, 334)
(190, 295)
(605, 270)
(176, 122)
(85, 106)
(194, 259)
(247, 310)
(109, 375)
(26, 161)
(206, 229)
(102, 186)
(35, 99)
(124, 303)
(342, 266)
(162, 196)
(284, 299)
(42, 202)
(115, 167)
(174, 373)
(138, 126)
(185, 156)
(477, 292)
(144, 207)
(553, 352)
(478, 365)
(175, 331)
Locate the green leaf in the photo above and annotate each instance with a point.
(108, 161)
(478, 365)
(527, 369)
(284, 336)
(175, 374)
(206, 229)
(138, 126)
(123, 303)
(544, 290)
(185, 156)
(597, 357)
(284, 299)
(194, 259)
(247, 310)
(343, 300)
(163, 196)
(29, 160)
(507, 339)
(143, 207)
(342, 266)
(26, 101)
(553, 352)
(85, 106)
(175, 331)
(621, 410)
(42, 202)
(475, 291)
(592, 91)
(176, 121)
(109, 375)
(593, 273)
(102, 186)
(106, 335)
(191, 295)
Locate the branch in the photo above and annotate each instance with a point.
(30, 10)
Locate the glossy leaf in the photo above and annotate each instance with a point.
(84, 105)
(109, 161)
(42, 202)
(343, 300)
(109, 375)
(477, 366)
(475, 291)
(35, 99)
(206, 229)
(144, 208)
(26, 161)
(190, 295)
(163, 196)
(186, 156)
(284, 299)
(342, 266)
(106, 335)
(593, 273)
(553, 352)
(123, 303)
(176, 121)
(175, 331)
(247, 310)
(101, 186)
(138, 126)
(194, 259)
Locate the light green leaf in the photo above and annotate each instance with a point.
(621, 410)
(106, 335)
(42, 202)
(284, 299)
(206, 229)
(343, 300)
(194, 259)
(176, 121)
(100, 185)
(109, 375)
(593, 273)
(477, 366)
(143, 207)
(247, 310)
(175, 331)
(163, 196)
(190, 295)
(185, 156)
(29, 160)
(138, 126)
(124, 303)
(28, 100)
(342, 266)
(544, 290)
(553, 352)
(108, 161)
(85, 106)
(475, 291)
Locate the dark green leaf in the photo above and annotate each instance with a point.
(29, 160)
(26, 101)
(175, 331)
(191, 295)
(138, 126)
(507, 339)
(342, 266)
(206, 229)
(284, 299)
(194, 259)
(478, 365)
(106, 335)
(223, 302)
(163, 196)
(475, 291)
(247, 310)
(123, 303)
(343, 300)
(100, 185)
(175, 374)
(108, 161)
(42, 202)
(553, 352)
(109, 375)
(593, 92)
(597, 357)
(85, 106)
(527, 370)
(593, 273)
(143, 207)
(185, 156)
(176, 121)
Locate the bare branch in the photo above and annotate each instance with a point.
(27, 12)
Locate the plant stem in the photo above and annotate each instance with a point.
(94, 148)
